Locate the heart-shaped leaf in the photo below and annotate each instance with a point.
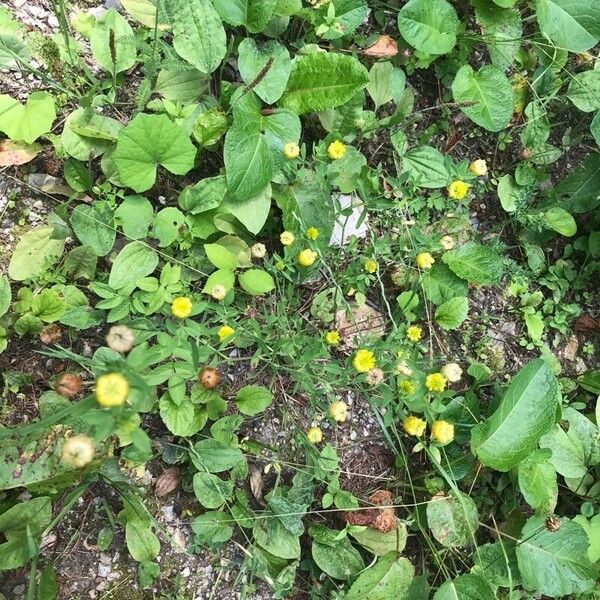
(27, 122)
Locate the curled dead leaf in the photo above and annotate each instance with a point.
(383, 47)
(167, 482)
(382, 519)
(256, 483)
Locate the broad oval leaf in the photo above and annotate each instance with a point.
(527, 411)
(486, 96)
(136, 260)
(537, 481)
(389, 577)
(256, 282)
(452, 313)
(453, 519)
(476, 263)
(426, 167)
(36, 251)
(465, 587)
(27, 122)
(254, 15)
(94, 226)
(113, 43)
(561, 221)
(584, 90)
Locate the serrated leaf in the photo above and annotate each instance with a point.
(452, 313)
(253, 399)
(475, 263)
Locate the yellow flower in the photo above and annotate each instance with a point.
(364, 361)
(447, 242)
(314, 435)
(338, 411)
(414, 426)
(435, 382)
(452, 372)
(414, 333)
(332, 338)
(407, 387)
(224, 332)
(370, 266)
(218, 292)
(307, 257)
(425, 260)
(181, 307)
(442, 432)
(291, 150)
(258, 250)
(78, 451)
(312, 233)
(458, 189)
(112, 389)
(336, 150)
(287, 238)
(478, 167)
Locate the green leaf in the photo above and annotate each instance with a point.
(349, 14)
(452, 313)
(430, 26)
(271, 61)
(183, 86)
(272, 536)
(511, 195)
(135, 261)
(555, 563)
(537, 482)
(568, 455)
(221, 257)
(253, 399)
(198, 34)
(211, 491)
(440, 284)
(453, 519)
(465, 587)
(253, 212)
(526, 412)
(214, 456)
(252, 14)
(219, 277)
(386, 82)
(571, 24)
(144, 11)
(205, 195)
(5, 295)
(167, 225)
(113, 43)
(13, 50)
(77, 175)
(378, 542)
(184, 419)
(87, 134)
(486, 96)
(94, 226)
(426, 167)
(149, 141)
(213, 527)
(561, 221)
(477, 264)
(323, 80)
(389, 577)
(35, 252)
(134, 215)
(584, 90)
(27, 122)
(141, 541)
(334, 553)
(256, 282)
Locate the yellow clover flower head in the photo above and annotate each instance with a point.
(112, 389)
(407, 387)
(287, 238)
(224, 332)
(452, 372)
(364, 360)
(442, 432)
(218, 292)
(314, 435)
(414, 425)
(338, 411)
(424, 260)
(435, 382)
(447, 242)
(479, 167)
(336, 150)
(414, 333)
(312, 233)
(332, 338)
(291, 150)
(307, 257)
(458, 190)
(259, 250)
(78, 451)
(370, 266)
(181, 307)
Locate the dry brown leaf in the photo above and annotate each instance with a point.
(360, 322)
(587, 323)
(167, 482)
(17, 153)
(381, 519)
(384, 47)
(256, 483)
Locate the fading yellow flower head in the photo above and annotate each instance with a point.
(407, 387)
(218, 292)
(307, 257)
(478, 167)
(370, 266)
(375, 376)
(338, 411)
(332, 338)
(414, 333)
(414, 425)
(181, 307)
(258, 250)
(435, 382)
(312, 233)
(314, 435)
(424, 260)
(442, 432)
(452, 372)
(78, 451)
(447, 242)
(458, 190)
(287, 238)
(336, 150)
(402, 368)
(364, 361)
(224, 332)
(291, 150)
(112, 389)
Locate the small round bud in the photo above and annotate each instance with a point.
(209, 378)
